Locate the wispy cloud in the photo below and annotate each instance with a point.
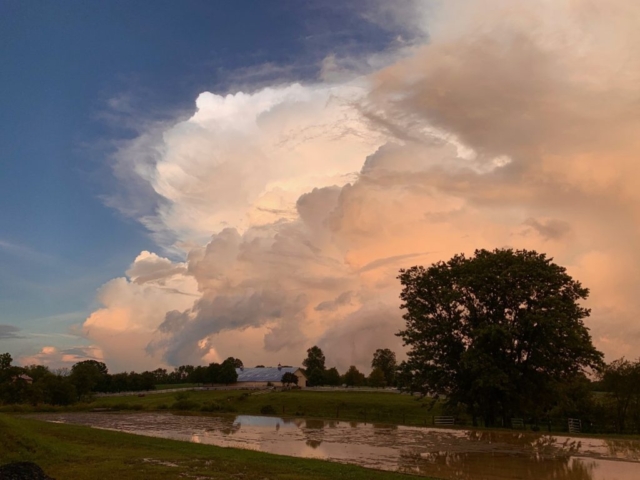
(9, 332)
(26, 253)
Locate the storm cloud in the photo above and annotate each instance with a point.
(294, 206)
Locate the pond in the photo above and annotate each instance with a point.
(442, 453)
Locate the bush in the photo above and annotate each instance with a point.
(218, 407)
(268, 410)
(185, 405)
(163, 406)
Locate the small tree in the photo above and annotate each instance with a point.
(377, 378)
(5, 361)
(289, 379)
(213, 373)
(385, 360)
(315, 377)
(353, 377)
(236, 362)
(227, 373)
(621, 379)
(332, 377)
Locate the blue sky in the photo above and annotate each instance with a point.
(65, 66)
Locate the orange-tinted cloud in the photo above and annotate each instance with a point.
(515, 125)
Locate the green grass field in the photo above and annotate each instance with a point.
(170, 386)
(82, 453)
(381, 407)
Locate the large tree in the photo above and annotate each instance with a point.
(498, 331)
(315, 359)
(385, 360)
(89, 376)
(315, 366)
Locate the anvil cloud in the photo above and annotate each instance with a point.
(294, 206)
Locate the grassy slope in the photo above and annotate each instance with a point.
(377, 406)
(79, 453)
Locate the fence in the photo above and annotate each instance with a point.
(517, 423)
(575, 425)
(444, 421)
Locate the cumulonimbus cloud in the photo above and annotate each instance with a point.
(294, 206)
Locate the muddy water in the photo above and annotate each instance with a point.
(446, 454)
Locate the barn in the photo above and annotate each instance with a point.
(262, 376)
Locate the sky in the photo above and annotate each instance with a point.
(185, 181)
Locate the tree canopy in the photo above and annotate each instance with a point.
(236, 362)
(497, 331)
(385, 360)
(621, 380)
(354, 378)
(315, 366)
(377, 378)
(289, 379)
(315, 359)
(89, 376)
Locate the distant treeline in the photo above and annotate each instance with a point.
(37, 384)
(609, 403)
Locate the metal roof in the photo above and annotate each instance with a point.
(267, 374)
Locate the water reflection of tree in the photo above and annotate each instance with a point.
(535, 457)
(539, 446)
(627, 449)
(487, 465)
(314, 432)
(314, 424)
(223, 425)
(226, 428)
(313, 443)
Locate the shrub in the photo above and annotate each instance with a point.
(218, 407)
(268, 410)
(185, 405)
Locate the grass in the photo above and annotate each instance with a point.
(373, 407)
(82, 453)
(383, 407)
(171, 386)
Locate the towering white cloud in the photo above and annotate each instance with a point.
(296, 205)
